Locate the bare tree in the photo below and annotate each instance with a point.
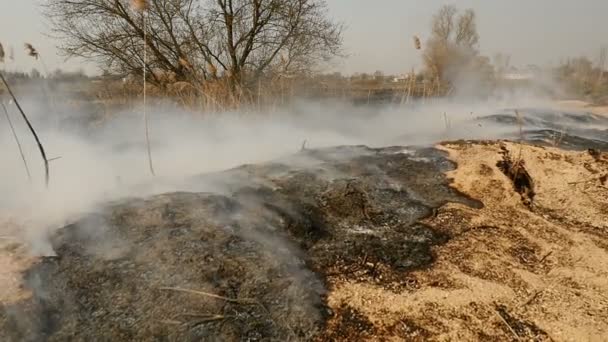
(466, 30)
(204, 39)
(452, 47)
(443, 23)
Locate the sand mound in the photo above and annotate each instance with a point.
(513, 269)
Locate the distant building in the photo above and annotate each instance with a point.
(401, 78)
(517, 76)
(530, 72)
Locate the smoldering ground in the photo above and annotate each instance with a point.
(106, 161)
(289, 206)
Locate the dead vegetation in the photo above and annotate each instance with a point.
(31, 128)
(516, 171)
(366, 255)
(241, 266)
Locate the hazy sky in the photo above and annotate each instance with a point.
(379, 33)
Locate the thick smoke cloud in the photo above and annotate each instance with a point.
(107, 161)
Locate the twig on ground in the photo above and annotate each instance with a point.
(532, 297)
(545, 257)
(517, 337)
(208, 319)
(203, 318)
(247, 301)
(537, 293)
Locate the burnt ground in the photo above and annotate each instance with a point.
(345, 244)
(253, 263)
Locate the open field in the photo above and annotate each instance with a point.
(502, 270)
(470, 240)
(303, 170)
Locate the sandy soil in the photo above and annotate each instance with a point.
(509, 272)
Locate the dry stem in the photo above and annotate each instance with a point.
(246, 301)
(29, 125)
(10, 123)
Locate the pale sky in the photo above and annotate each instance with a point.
(378, 33)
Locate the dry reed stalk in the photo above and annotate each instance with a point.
(29, 125)
(412, 88)
(407, 92)
(520, 124)
(2, 54)
(32, 52)
(424, 91)
(10, 124)
(142, 6)
(503, 320)
(438, 86)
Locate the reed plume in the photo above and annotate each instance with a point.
(1, 53)
(417, 43)
(31, 51)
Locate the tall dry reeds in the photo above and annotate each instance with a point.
(29, 125)
(411, 81)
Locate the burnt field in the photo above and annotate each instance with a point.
(265, 254)
(485, 239)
